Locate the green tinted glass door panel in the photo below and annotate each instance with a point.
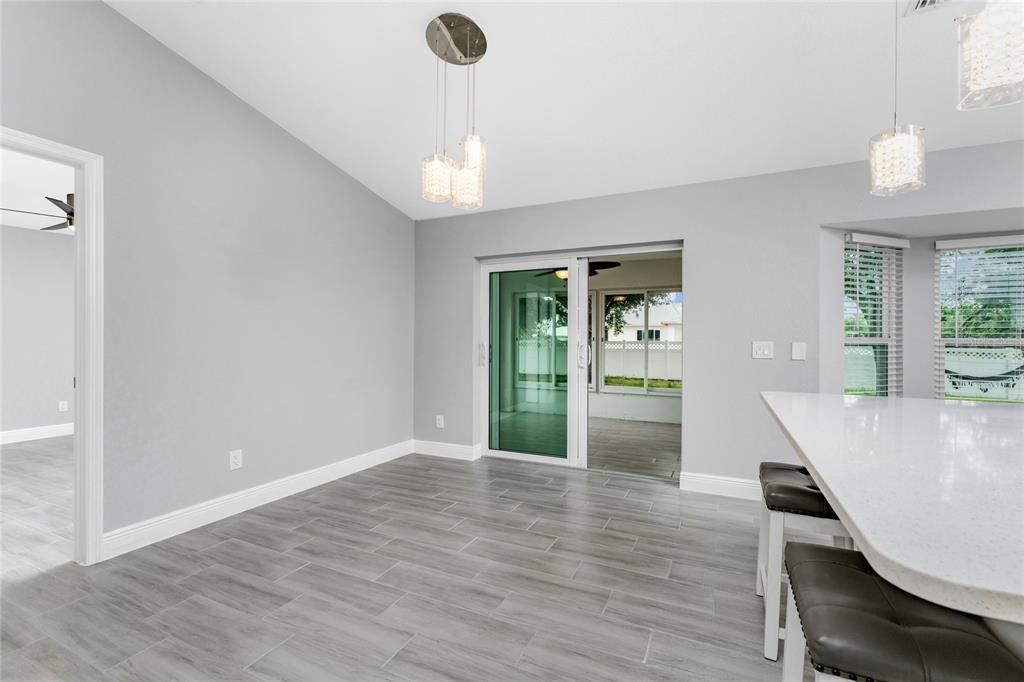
(529, 363)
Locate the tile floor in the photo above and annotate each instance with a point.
(635, 447)
(419, 569)
(35, 499)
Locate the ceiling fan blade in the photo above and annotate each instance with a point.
(59, 226)
(546, 273)
(62, 205)
(603, 264)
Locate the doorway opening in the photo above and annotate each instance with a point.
(51, 428)
(635, 377)
(37, 249)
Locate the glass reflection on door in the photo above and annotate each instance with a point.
(529, 362)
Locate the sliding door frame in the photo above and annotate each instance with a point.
(578, 412)
(570, 263)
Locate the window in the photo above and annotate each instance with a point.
(542, 335)
(641, 343)
(979, 353)
(872, 320)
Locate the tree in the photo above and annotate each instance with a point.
(618, 308)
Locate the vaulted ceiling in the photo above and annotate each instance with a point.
(585, 99)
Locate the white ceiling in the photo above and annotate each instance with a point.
(585, 99)
(25, 182)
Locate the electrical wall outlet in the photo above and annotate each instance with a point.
(762, 350)
(235, 459)
(62, 406)
(439, 421)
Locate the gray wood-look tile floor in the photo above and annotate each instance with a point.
(35, 499)
(419, 569)
(634, 447)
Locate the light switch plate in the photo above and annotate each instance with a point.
(235, 459)
(762, 350)
(439, 421)
(798, 350)
(62, 406)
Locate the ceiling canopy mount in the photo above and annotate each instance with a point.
(456, 39)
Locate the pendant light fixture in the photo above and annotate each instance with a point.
(992, 56)
(896, 156)
(436, 169)
(456, 39)
(468, 179)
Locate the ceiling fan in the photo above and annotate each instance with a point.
(595, 266)
(67, 206)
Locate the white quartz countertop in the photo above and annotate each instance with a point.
(931, 490)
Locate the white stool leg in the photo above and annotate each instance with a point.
(795, 651)
(762, 550)
(772, 586)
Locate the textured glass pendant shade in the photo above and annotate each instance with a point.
(467, 189)
(897, 161)
(992, 56)
(436, 178)
(474, 153)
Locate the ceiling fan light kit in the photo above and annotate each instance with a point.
(455, 39)
(992, 56)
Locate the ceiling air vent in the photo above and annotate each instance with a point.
(915, 6)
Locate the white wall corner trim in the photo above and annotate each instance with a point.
(451, 450)
(744, 488)
(173, 523)
(36, 433)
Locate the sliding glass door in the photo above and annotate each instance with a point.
(535, 355)
(528, 403)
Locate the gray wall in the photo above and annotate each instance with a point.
(37, 348)
(237, 263)
(750, 271)
(919, 319)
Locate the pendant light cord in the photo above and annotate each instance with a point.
(444, 109)
(437, 90)
(896, 66)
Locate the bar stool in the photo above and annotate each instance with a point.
(858, 626)
(790, 501)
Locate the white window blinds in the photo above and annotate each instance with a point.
(979, 323)
(872, 320)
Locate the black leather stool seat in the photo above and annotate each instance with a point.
(859, 624)
(789, 488)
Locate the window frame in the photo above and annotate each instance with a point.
(943, 343)
(601, 339)
(552, 381)
(890, 327)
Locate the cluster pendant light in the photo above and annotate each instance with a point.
(455, 39)
(992, 56)
(896, 156)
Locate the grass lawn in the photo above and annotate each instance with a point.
(638, 382)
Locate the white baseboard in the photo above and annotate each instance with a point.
(161, 527)
(36, 433)
(745, 488)
(451, 450)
